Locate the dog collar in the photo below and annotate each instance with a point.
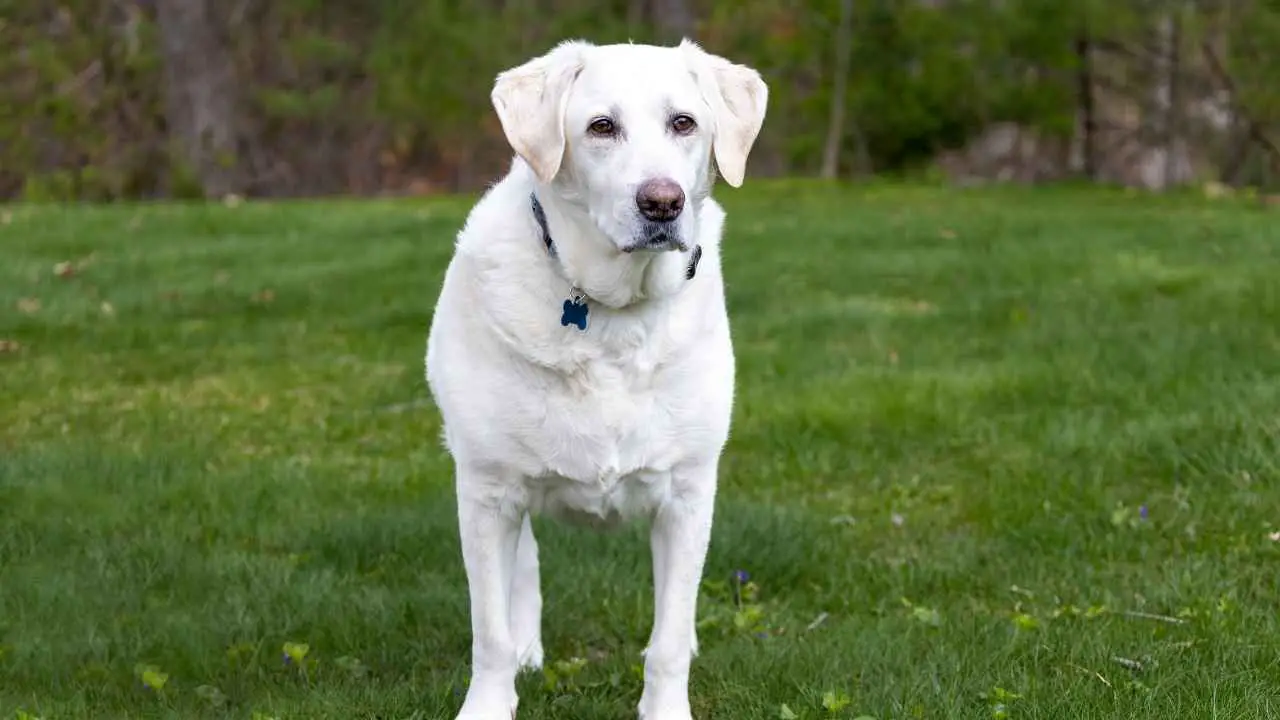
(575, 307)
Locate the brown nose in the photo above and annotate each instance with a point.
(660, 200)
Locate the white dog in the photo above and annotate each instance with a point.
(580, 352)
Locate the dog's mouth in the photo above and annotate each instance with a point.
(656, 237)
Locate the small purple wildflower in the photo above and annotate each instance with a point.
(1142, 512)
(741, 576)
(284, 657)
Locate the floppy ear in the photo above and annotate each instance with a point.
(738, 97)
(530, 101)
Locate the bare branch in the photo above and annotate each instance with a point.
(1224, 78)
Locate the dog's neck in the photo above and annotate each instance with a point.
(593, 265)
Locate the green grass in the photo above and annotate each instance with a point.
(215, 439)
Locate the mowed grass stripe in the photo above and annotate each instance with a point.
(999, 447)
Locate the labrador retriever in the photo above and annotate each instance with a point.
(579, 352)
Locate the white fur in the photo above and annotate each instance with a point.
(628, 418)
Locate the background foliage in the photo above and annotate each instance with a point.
(350, 96)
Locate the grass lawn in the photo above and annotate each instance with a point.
(1000, 453)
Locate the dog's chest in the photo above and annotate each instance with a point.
(609, 437)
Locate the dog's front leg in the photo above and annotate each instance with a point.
(526, 601)
(679, 538)
(489, 529)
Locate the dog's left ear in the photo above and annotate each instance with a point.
(738, 97)
(530, 100)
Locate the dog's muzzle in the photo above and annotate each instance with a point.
(657, 237)
(659, 201)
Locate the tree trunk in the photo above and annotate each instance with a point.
(1088, 114)
(637, 11)
(673, 19)
(1159, 157)
(1172, 120)
(1239, 144)
(839, 92)
(200, 92)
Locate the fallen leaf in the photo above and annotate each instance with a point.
(151, 677)
(264, 296)
(1275, 537)
(29, 305)
(295, 652)
(108, 309)
(834, 702)
(212, 695)
(1024, 621)
(947, 234)
(8, 346)
(64, 269)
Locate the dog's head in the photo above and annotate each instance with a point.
(627, 132)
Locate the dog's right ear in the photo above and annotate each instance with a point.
(530, 100)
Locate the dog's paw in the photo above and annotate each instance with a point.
(484, 715)
(531, 656)
(488, 706)
(667, 715)
(670, 708)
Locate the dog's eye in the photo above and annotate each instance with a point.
(683, 124)
(603, 127)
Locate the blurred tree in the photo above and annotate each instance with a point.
(673, 19)
(843, 55)
(201, 92)
(126, 98)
